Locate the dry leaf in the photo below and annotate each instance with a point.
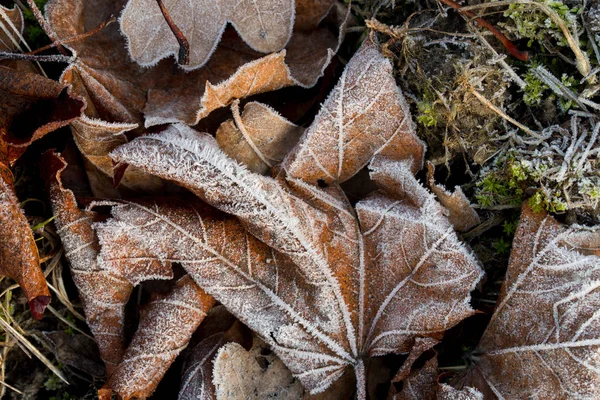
(12, 18)
(420, 384)
(259, 138)
(421, 346)
(165, 328)
(239, 374)
(103, 293)
(31, 107)
(315, 315)
(364, 115)
(218, 328)
(19, 259)
(121, 90)
(447, 392)
(461, 213)
(264, 25)
(543, 339)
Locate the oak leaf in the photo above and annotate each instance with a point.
(264, 25)
(544, 335)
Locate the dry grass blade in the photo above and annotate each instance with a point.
(27, 344)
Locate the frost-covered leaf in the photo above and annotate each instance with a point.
(19, 258)
(241, 374)
(103, 293)
(265, 25)
(420, 384)
(121, 91)
(364, 115)
(218, 328)
(165, 328)
(259, 138)
(543, 339)
(333, 307)
(461, 213)
(447, 392)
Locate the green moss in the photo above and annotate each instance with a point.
(502, 246)
(532, 93)
(427, 116)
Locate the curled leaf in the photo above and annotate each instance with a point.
(259, 138)
(19, 258)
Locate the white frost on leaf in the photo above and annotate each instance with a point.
(265, 26)
(544, 337)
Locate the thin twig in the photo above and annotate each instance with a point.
(510, 47)
(76, 38)
(32, 57)
(45, 26)
(583, 63)
(184, 46)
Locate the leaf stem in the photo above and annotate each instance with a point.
(184, 46)
(361, 386)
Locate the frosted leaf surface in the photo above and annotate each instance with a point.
(218, 328)
(241, 374)
(122, 91)
(365, 114)
(461, 213)
(259, 138)
(544, 337)
(422, 274)
(447, 392)
(420, 384)
(103, 293)
(19, 258)
(265, 25)
(165, 328)
(334, 324)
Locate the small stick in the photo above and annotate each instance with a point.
(512, 49)
(44, 24)
(184, 46)
(76, 38)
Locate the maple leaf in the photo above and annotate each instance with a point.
(19, 258)
(357, 289)
(259, 138)
(264, 25)
(543, 338)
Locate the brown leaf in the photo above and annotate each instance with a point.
(241, 374)
(264, 25)
(364, 115)
(31, 107)
(12, 18)
(103, 293)
(543, 338)
(461, 213)
(166, 326)
(19, 258)
(420, 384)
(259, 138)
(334, 307)
(421, 345)
(121, 90)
